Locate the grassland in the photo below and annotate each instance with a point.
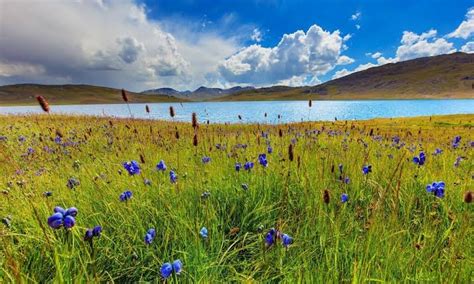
(24, 94)
(390, 229)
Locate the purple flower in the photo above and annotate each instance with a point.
(96, 231)
(161, 166)
(458, 161)
(437, 188)
(126, 195)
(206, 160)
(166, 270)
(88, 235)
(73, 182)
(204, 233)
(69, 221)
(149, 236)
(238, 166)
(438, 151)
(340, 168)
(344, 197)
(269, 149)
(177, 266)
(262, 159)
(132, 167)
(367, 169)
(71, 212)
(347, 180)
(420, 160)
(57, 140)
(456, 142)
(270, 237)
(173, 177)
(248, 166)
(286, 240)
(55, 221)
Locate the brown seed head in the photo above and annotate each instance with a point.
(124, 96)
(290, 153)
(468, 197)
(195, 140)
(171, 111)
(310, 103)
(43, 103)
(194, 120)
(147, 108)
(326, 197)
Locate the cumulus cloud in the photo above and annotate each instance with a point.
(426, 44)
(468, 47)
(297, 55)
(111, 43)
(256, 35)
(412, 46)
(466, 28)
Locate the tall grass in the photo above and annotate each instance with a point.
(391, 229)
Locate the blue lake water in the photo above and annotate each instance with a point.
(290, 111)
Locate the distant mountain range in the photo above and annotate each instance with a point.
(443, 76)
(201, 93)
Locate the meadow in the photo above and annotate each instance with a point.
(328, 202)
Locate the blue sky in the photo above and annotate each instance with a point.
(185, 43)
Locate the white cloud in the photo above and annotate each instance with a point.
(426, 44)
(376, 55)
(468, 47)
(300, 54)
(344, 60)
(356, 16)
(347, 37)
(412, 46)
(256, 35)
(111, 43)
(357, 27)
(466, 28)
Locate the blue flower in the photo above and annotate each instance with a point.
(340, 168)
(203, 232)
(438, 151)
(59, 209)
(71, 212)
(347, 180)
(132, 167)
(161, 166)
(173, 177)
(149, 236)
(55, 221)
(177, 266)
(238, 166)
(248, 166)
(57, 140)
(420, 160)
(458, 161)
(206, 160)
(437, 188)
(456, 142)
(126, 195)
(69, 221)
(270, 237)
(262, 159)
(96, 231)
(344, 197)
(47, 194)
(367, 169)
(269, 150)
(166, 270)
(88, 235)
(286, 240)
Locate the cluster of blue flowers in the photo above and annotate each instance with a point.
(437, 188)
(248, 166)
(63, 217)
(168, 268)
(273, 235)
(150, 236)
(132, 167)
(420, 160)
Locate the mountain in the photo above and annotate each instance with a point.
(24, 94)
(442, 76)
(200, 94)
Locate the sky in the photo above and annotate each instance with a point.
(185, 44)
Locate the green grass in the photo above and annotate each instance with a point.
(390, 230)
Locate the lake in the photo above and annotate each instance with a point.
(290, 111)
